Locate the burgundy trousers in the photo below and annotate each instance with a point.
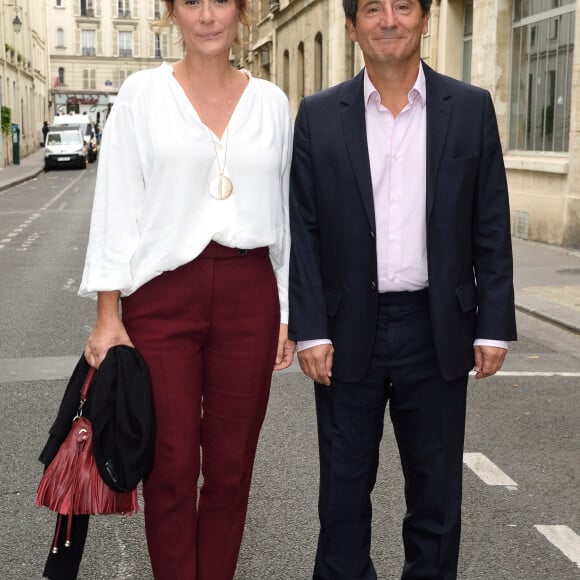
(209, 333)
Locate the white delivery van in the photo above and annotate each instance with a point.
(65, 147)
(87, 129)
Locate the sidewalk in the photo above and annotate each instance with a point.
(546, 277)
(30, 166)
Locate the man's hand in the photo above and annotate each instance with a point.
(316, 363)
(488, 360)
(286, 348)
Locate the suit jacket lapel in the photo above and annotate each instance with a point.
(353, 122)
(438, 118)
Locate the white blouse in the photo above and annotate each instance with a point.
(152, 211)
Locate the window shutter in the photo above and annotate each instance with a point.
(77, 41)
(164, 46)
(135, 43)
(115, 11)
(77, 8)
(135, 13)
(99, 42)
(151, 44)
(150, 9)
(115, 43)
(98, 12)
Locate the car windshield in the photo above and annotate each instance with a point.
(59, 138)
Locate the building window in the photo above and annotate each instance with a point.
(300, 70)
(157, 9)
(123, 74)
(89, 78)
(467, 41)
(541, 84)
(124, 7)
(87, 8)
(318, 62)
(88, 42)
(59, 38)
(158, 45)
(125, 43)
(58, 3)
(61, 75)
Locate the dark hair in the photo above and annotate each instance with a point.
(350, 7)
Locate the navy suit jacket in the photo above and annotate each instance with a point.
(333, 268)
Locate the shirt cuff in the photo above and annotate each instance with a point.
(304, 344)
(487, 342)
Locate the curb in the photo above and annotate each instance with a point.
(19, 180)
(575, 329)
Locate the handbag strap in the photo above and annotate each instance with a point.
(85, 391)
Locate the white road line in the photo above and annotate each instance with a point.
(486, 470)
(565, 539)
(19, 229)
(535, 374)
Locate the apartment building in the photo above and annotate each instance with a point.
(522, 51)
(96, 44)
(24, 75)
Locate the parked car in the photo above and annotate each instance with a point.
(87, 129)
(65, 147)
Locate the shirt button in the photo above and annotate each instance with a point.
(373, 285)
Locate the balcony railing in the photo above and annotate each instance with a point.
(125, 52)
(89, 51)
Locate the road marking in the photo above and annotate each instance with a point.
(565, 539)
(487, 471)
(19, 229)
(535, 374)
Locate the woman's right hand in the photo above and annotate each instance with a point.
(108, 331)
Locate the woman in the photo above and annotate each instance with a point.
(190, 232)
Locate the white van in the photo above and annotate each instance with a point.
(65, 147)
(87, 129)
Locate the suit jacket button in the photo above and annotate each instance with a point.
(372, 234)
(373, 285)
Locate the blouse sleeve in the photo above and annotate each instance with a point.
(282, 272)
(119, 191)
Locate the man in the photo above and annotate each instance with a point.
(400, 283)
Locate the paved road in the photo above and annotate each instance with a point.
(523, 422)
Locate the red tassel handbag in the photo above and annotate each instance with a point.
(71, 484)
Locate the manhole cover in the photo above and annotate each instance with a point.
(570, 271)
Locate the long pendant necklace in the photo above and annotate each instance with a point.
(220, 187)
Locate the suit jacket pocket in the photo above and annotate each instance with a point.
(332, 301)
(467, 296)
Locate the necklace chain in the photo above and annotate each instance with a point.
(220, 187)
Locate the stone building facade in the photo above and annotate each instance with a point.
(24, 74)
(522, 51)
(96, 44)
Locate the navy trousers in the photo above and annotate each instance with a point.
(428, 417)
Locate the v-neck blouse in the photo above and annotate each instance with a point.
(152, 211)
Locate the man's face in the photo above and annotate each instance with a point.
(389, 31)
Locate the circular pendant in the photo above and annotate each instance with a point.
(221, 187)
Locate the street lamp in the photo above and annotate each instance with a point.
(16, 23)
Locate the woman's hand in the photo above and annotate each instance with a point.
(108, 330)
(286, 348)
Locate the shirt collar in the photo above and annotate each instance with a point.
(418, 94)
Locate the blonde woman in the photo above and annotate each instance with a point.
(189, 234)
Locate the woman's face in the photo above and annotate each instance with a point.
(208, 27)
